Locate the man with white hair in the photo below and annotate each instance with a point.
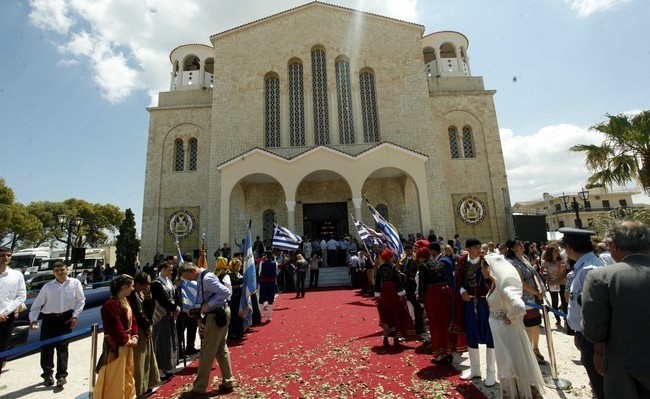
(615, 309)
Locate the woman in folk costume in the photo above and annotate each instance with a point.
(115, 367)
(164, 329)
(435, 294)
(519, 373)
(236, 328)
(144, 359)
(394, 317)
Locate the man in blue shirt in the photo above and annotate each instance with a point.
(578, 246)
(212, 295)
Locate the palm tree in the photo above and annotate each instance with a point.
(624, 156)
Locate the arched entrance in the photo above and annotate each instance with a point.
(325, 197)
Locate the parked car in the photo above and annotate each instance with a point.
(36, 281)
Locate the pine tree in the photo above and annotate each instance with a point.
(127, 244)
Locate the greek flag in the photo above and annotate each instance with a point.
(189, 289)
(179, 254)
(388, 231)
(249, 283)
(366, 233)
(285, 239)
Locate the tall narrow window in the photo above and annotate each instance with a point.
(369, 107)
(296, 105)
(179, 156)
(319, 86)
(344, 98)
(453, 142)
(382, 209)
(272, 112)
(268, 220)
(193, 149)
(468, 142)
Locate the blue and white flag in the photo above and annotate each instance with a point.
(388, 231)
(189, 289)
(285, 239)
(368, 234)
(179, 254)
(249, 282)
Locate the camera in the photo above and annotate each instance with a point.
(194, 313)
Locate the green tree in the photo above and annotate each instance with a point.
(6, 207)
(602, 222)
(624, 155)
(23, 228)
(127, 244)
(99, 220)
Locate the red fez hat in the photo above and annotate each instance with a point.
(423, 253)
(387, 255)
(422, 243)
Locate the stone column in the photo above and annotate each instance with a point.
(291, 218)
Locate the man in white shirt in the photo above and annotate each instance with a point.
(12, 295)
(60, 301)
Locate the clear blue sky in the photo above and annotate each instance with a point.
(77, 76)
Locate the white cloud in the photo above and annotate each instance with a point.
(542, 163)
(126, 43)
(50, 15)
(587, 7)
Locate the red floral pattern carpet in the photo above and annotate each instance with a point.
(327, 345)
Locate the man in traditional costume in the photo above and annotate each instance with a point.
(394, 317)
(434, 293)
(409, 269)
(471, 312)
(268, 273)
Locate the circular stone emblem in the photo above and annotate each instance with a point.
(471, 210)
(180, 224)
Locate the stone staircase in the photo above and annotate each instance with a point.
(332, 277)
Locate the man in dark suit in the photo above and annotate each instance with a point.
(615, 309)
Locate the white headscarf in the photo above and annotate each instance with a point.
(507, 285)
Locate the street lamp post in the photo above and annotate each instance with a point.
(574, 205)
(67, 224)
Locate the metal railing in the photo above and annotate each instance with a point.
(73, 336)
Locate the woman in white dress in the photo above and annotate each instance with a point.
(519, 374)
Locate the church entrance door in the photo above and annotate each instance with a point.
(325, 220)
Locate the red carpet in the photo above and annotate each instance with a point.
(328, 345)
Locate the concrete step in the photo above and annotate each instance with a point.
(333, 277)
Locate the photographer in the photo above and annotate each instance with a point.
(212, 295)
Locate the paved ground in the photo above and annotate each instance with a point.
(21, 378)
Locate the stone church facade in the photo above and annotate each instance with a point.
(296, 118)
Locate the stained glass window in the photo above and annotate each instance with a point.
(179, 156)
(344, 98)
(193, 153)
(272, 112)
(453, 142)
(319, 86)
(296, 105)
(369, 107)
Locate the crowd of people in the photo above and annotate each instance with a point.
(453, 298)
(490, 295)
